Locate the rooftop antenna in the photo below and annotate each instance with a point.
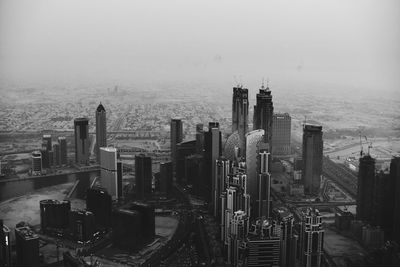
(262, 84)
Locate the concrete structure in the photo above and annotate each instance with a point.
(81, 126)
(101, 130)
(240, 114)
(263, 113)
(111, 172)
(281, 134)
(312, 158)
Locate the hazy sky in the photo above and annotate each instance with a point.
(343, 42)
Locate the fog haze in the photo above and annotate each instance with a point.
(306, 43)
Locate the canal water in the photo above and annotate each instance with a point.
(16, 188)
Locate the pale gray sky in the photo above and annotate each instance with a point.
(344, 42)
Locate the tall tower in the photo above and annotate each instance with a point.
(240, 114)
(312, 158)
(365, 190)
(144, 175)
(63, 150)
(264, 185)
(281, 133)
(312, 239)
(101, 130)
(212, 151)
(111, 172)
(176, 132)
(81, 126)
(395, 175)
(263, 111)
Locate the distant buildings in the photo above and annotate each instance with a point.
(365, 191)
(166, 177)
(101, 130)
(311, 239)
(144, 175)
(56, 154)
(281, 134)
(63, 150)
(111, 171)
(176, 131)
(312, 158)
(36, 163)
(81, 126)
(27, 247)
(263, 114)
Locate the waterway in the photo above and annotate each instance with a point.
(20, 187)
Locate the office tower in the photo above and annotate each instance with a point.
(126, 225)
(264, 185)
(240, 113)
(62, 141)
(222, 170)
(312, 158)
(238, 231)
(183, 150)
(36, 163)
(365, 190)
(5, 245)
(212, 151)
(54, 215)
(253, 139)
(27, 247)
(81, 126)
(199, 138)
(281, 133)
(232, 148)
(110, 177)
(82, 225)
(148, 224)
(99, 202)
(395, 176)
(263, 110)
(47, 141)
(176, 131)
(144, 175)
(312, 239)
(56, 154)
(101, 130)
(263, 244)
(285, 220)
(194, 173)
(166, 177)
(45, 156)
(383, 201)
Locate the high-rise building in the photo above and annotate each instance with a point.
(312, 158)
(222, 170)
(285, 219)
(54, 214)
(199, 138)
(62, 141)
(126, 227)
(264, 185)
(383, 201)
(27, 247)
(101, 130)
(166, 177)
(238, 231)
(81, 126)
(82, 225)
(281, 133)
(312, 239)
(194, 173)
(365, 190)
(263, 244)
(240, 114)
(263, 110)
(212, 151)
(5, 245)
(110, 174)
(45, 156)
(144, 175)
(47, 140)
(395, 176)
(176, 131)
(99, 202)
(36, 163)
(183, 150)
(56, 154)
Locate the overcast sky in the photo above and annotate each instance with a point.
(344, 42)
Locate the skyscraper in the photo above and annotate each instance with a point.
(101, 130)
(36, 163)
(285, 220)
(47, 140)
(27, 247)
(263, 110)
(395, 175)
(264, 185)
(81, 126)
(222, 170)
(199, 138)
(365, 190)
(166, 177)
(312, 239)
(5, 245)
(56, 154)
(110, 178)
(143, 174)
(99, 202)
(63, 150)
(240, 113)
(281, 133)
(176, 131)
(212, 151)
(312, 158)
